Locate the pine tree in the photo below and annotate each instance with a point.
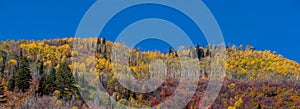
(42, 85)
(170, 51)
(50, 82)
(208, 53)
(200, 52)
(3, 55)
(43, 80)
(65, 82)
(21, 76)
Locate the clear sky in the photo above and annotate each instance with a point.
(265, 24)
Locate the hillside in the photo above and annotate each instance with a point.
(61, 73)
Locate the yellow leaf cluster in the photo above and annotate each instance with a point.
(13, 62)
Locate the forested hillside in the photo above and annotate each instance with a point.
(51, 74)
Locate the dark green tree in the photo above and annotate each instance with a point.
(199, 51)
(208, 53)
(65, 82)
(42, 80)
(42, 85)
(41, 67)
(50, 82)
(3, 55)
(21, 76)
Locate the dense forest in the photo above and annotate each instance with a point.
(52, 74)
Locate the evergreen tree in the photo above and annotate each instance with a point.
(42, 80)
(170, 51)
(208, 53)
(3, 55)
(50, 82)
(65, 81)
(42, 85)
(202, 55)
(199, 51)
(21, 76)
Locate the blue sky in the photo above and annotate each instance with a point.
(265, 24)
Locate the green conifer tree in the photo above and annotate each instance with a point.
(21, 76)
(3, 55)
(65, 82)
